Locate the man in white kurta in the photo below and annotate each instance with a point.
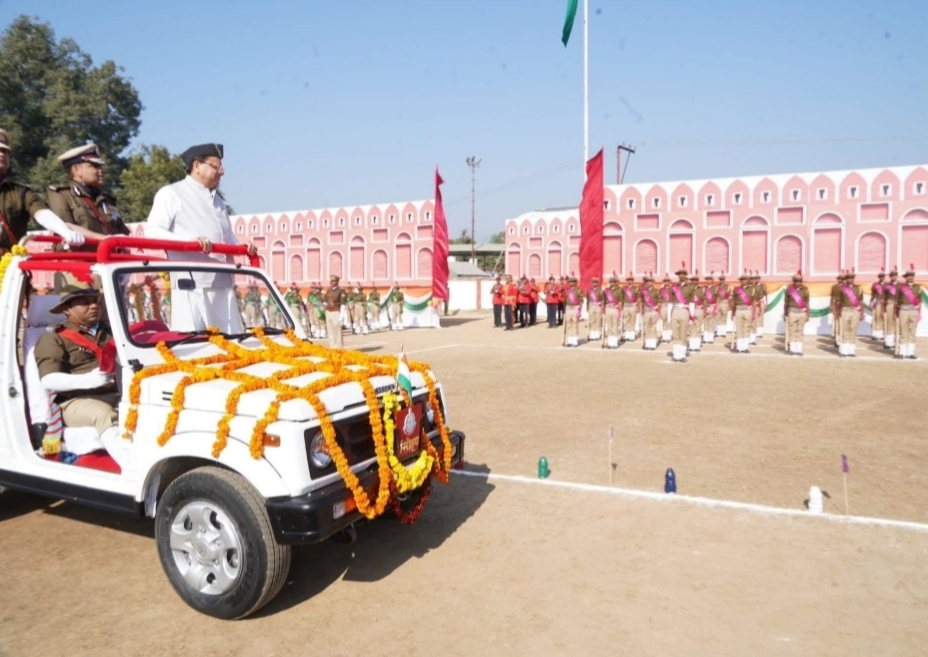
(193, 210)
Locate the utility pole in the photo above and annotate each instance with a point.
(473, 163)
(619, 174)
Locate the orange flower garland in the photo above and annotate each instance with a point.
(300, 358)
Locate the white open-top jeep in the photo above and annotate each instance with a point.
(239, 445)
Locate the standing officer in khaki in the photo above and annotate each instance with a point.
(760, 293)
(397, 300)
(630, 303)
(877, 292)
(889, 307)
(722, 294)
(333, 300)
(594, 310)
(613, 298)
(573, 304)
(908, 310)
(796, 314)
(18, 204)
(699, 313)
(836, 309)
(852, 314)
(682, 294)
(651, 303)
(666, 308)
(83, 201)
(711, 307)
(742, 306)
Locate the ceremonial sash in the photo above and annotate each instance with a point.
(629, 294)
(890, 289)
(677, 292)
(793, 292)
(745, 299)
(105, 222)
(849, 292)
(709, 296)
(723, 293)
(652, 305)
(878, 288)
(593, 296)
(910, 295)
(573, 299)
(610, 298)
(665, 294)
(105, 354)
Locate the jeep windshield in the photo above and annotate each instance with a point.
(175, 304)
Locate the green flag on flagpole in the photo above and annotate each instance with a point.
(569, 21)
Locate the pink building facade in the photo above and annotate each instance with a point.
(819, 223)
(371, 243)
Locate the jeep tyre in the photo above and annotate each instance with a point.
(216, 545)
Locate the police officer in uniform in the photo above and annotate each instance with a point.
(397, 301)
(594, 310)
(835, 296)
(19, 203)
(908, 306)
(573, 304)
(651, 302)
(723, 296)
(711, 308)
(373, 304)
(876, 306)
(510, 301)
(333, 301)
(852, 313)
(630, 302)
(698, 313)
(683, 296)
(742, 308)
(889, 309)
(613, 301)
(796, 315)
(83, 201)
(253, 306)
(666, 309)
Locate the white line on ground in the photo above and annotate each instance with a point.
(700, 501)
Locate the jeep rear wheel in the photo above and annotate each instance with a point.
(216, 545)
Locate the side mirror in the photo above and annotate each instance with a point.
(186, 284)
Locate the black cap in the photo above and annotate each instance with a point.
(203, 150)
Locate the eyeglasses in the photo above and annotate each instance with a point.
(210, 164)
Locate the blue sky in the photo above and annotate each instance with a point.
(356, 101)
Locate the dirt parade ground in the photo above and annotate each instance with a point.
(502, 563)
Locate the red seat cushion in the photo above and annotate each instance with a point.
(98, 460)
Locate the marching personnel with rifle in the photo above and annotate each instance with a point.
(497, 292)
(890, 290)
(760, 294)
(796, 315)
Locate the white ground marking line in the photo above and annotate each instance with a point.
(700, 501)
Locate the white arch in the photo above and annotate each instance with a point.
(756, 227)
(677, 229)
(837, 214)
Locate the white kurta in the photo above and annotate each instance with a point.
(187, 211)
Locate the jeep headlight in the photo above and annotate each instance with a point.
(319, 451)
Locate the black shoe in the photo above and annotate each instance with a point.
(911, 357)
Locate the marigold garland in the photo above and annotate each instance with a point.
(7, 258)
(299, 358)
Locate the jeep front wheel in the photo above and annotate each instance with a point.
(216, 545)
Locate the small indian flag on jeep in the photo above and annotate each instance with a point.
(403, 380)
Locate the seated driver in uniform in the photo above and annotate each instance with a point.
(68, 360)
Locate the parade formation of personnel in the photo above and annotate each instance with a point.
(630, 308)
(908, 312)
(796, 315)
(573, 305)
(852, 314)
(19, 203)
(613, 310)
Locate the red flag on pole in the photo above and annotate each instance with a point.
(439, 246)
(591, 222)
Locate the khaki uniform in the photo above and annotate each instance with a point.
(681, 317)
(836, 311)
(666, 308)
(850, 318)
(18, 203)
(695, 333)
(84, 206)
(630, 299)
(908, 317)
(710, 294)
(795, 317)
(253, 308)
(611, 327)
(333, 299)
(79, 408)
(373, 305)
(877, 291)
(743, 311)
(573, 301)
(890, 321)
(313, 305)
(651, 302)
(359, 312)
(760, 298)
(397, 302)
(723, 297)
(594, 310)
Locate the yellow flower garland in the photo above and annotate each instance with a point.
(7, 258)
(301, 358)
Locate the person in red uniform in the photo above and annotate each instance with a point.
(524, 301)
(510, 298)
(497, 292)
(552, 298)
(533, 302)
(561, 296)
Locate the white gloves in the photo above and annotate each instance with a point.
(62, 382)
(51, 221)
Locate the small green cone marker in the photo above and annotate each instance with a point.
(543, 470)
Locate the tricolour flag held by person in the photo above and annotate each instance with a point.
(569, 21)
(403, 378)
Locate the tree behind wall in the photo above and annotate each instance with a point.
(52, 98)
(149, 169)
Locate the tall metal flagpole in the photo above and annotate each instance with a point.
(586, 84)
